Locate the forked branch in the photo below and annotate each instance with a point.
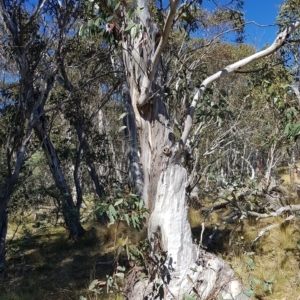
(148, 78)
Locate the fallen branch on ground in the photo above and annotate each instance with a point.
(277, 213)
(270, 227)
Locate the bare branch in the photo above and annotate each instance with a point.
(37, 10)
(147, 80)
(9, 21)
(268, 228)
(277, 213)
(279, 41)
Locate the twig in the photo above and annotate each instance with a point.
(201, 235)
(277, 213)
(268, 228)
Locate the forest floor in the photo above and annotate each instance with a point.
(43, 264)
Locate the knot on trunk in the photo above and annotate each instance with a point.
(167, 151)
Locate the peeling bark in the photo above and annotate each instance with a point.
(133, 160)
(165, 181)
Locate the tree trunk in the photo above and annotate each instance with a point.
(91, 167)
(7, 188)
(133, 160)
(70, 212)
(165, 182)
(169, 230)
(3, 228)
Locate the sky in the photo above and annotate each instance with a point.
(263, 12)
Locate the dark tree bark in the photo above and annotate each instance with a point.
(4, 199)
(134, 169)
(36, 71)
(7, 188)
(71, 212)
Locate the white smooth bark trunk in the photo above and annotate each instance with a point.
(170, 218)
(165, 181)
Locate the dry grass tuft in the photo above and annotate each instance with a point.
(46, 265)
(274, 273)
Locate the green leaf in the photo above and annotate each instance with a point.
(91, 5)
(120, 268)
(131, 13)
(97, 22)
(158, 256)
(271, 89)
(249, 292)
(119, 250)
(250, 263)
(90, 22)
(119, 201)
(138, 10)
(82, 30)
(127, 251)
(129, 26)
(117, 6)
(112, 210)
(93, 284)
(133, 195)
(133, 220)
(245, 296)
(122, 115)
(268, 287)
(121, 128)
(287, 128)
(109, 18)
(184, 17)
(127, 219)
(189, 278)
(255, 281)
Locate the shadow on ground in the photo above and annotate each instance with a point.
(49, 266)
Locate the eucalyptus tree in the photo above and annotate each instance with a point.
(290, 52)
(133, 26)
(84, 73)
(252, 112)
(33, 43)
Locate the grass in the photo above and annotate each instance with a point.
(44, 264)
(275, 257)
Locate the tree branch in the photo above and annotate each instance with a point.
(268, 228)
(279, 41)
(147, 80)
(277, 213)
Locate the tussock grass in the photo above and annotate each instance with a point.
(46, 265)
(275, 254)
